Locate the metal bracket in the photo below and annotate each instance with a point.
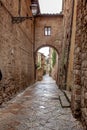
(20, 19)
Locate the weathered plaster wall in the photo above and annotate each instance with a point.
(67, 28)
(71, 54)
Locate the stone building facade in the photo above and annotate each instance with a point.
(54, 38)
(16, 49)
(74, 56)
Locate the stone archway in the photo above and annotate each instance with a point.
(47, 46)
(56, 74)
(55, 39)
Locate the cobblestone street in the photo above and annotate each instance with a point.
(38, 108)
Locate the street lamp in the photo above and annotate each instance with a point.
(20, 19)
(34, 9)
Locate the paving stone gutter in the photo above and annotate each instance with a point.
(65, 99)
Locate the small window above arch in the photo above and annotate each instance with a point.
(47, 30)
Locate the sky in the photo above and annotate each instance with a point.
(50, 6)
(44, 50)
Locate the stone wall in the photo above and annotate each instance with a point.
(16, 49)
(74, 59)
(79, 95)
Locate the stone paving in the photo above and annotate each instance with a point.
(38, 108)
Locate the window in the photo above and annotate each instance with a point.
(47, 31)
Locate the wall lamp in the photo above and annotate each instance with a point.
(20, 19)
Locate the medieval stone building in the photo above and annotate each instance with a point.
(74, 55)
(23, 33)
(16, 48)
(79, 90)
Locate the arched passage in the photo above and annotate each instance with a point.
(50, 67)
(55, 39)
(47, 45)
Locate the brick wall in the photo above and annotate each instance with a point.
(16, 50)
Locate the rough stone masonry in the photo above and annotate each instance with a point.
(16, 50)
(79, 96)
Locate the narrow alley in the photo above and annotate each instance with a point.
(34, 84)
(38, 108)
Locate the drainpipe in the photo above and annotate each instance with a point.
(34, 50)
(19, 8)
(69, 44)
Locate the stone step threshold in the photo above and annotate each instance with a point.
(64, 99)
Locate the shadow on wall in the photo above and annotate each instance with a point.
(0, 75)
